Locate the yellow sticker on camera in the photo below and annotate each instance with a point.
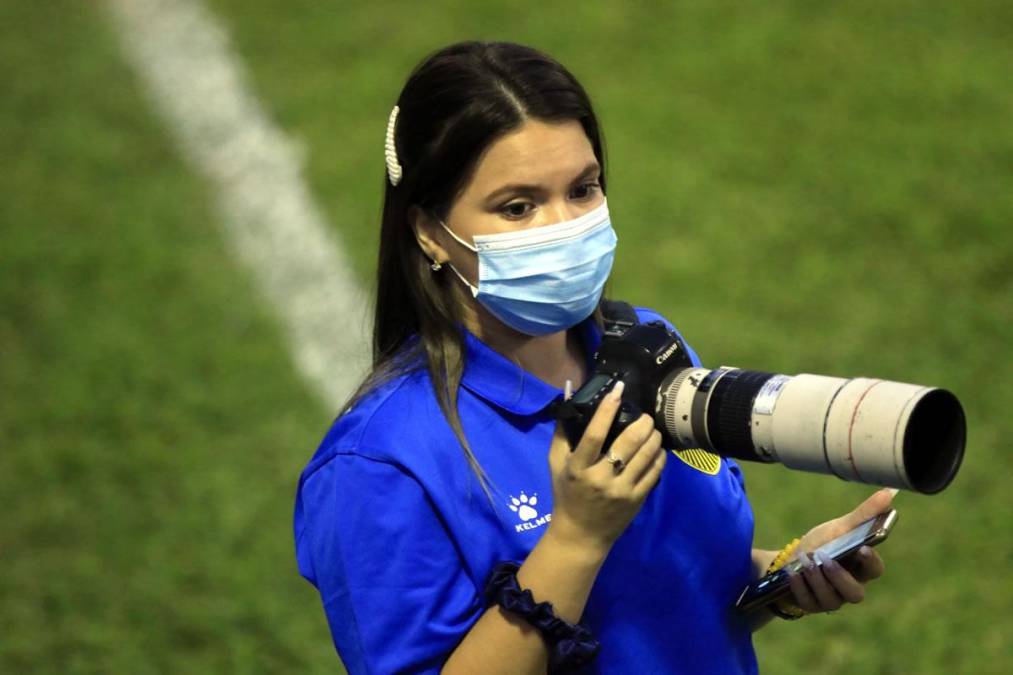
(701, 460)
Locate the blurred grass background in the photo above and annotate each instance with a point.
(801, 187)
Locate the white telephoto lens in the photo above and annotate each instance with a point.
(864, 430)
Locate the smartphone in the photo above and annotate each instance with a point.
(776, 584)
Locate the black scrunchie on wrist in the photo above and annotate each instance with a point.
(570, 645)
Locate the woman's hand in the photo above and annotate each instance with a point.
(593, 500)
(824, 588)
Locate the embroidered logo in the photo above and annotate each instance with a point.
(524, 507)
(701, 460)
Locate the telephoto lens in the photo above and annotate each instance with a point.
(865, 430)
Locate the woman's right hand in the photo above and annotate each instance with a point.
(593, 502)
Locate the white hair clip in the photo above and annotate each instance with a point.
(390, 152)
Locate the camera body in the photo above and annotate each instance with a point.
(642, 356)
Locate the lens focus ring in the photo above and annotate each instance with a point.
(729, 412)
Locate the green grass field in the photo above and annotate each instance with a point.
(801, 187)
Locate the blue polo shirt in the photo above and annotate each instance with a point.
(393, 528)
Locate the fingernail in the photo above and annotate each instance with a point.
(824, 558)
(568, 390)
(617, 391)
(893, 492)
(865, 551)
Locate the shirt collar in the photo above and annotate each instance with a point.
(495, 378)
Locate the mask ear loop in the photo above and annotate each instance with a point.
(474, 289)
(458, 239)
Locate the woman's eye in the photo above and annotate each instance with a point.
(516, 210)
(584, 191)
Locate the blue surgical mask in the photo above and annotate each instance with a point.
(545, 279)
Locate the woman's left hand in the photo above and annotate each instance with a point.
(826, 587)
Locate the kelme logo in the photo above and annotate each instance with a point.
(524, 507)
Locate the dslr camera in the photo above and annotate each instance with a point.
(860, 429)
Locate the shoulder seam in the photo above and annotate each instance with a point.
(355, 446)
(376, 408)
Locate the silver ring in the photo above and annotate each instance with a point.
(617, 462)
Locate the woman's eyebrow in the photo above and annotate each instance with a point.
(590, 169)
(528, 188)
(513, 188)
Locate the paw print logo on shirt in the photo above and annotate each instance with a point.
(523, 506)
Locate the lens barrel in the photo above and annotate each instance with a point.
(730, 412)
(865, 430)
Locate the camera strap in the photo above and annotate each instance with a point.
(619, 317)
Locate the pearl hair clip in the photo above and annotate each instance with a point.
(390, 152)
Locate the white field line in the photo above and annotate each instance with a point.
(182, 55)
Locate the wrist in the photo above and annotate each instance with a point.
(570, 645)
(562, 570)
(762, 560)
(570, 541)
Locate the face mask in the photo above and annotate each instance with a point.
(545, 279)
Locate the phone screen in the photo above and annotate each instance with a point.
(774, 584)
(836, 548)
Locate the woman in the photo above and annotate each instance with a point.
(495, 246)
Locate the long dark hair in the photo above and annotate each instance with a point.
(453, 106)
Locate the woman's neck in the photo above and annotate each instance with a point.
(553, 358)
